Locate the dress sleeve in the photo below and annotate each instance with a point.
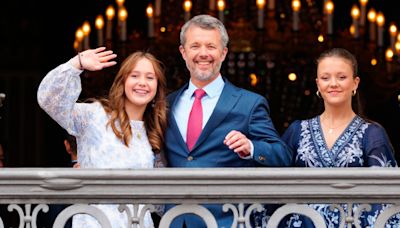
(379, 151)
(291, 137)
(57, 96)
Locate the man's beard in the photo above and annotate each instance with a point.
(206, 75)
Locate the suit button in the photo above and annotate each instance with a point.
(190, 158)
(261, 158)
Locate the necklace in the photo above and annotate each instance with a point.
(332, 129)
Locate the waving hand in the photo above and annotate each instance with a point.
(94, 59)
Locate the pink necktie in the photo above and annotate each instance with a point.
(195, 119)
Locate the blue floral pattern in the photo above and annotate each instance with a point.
(362, 144)
(98, 147)
(344, 152)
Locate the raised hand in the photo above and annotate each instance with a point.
(94, 59)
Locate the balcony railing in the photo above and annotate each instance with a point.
(189, 188)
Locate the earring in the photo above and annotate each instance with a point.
(318, 95)
(354, 92)
(153, 103)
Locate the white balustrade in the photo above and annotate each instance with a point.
(239, 190)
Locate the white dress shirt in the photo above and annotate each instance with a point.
(185, 102)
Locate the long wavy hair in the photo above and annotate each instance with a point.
(155, 114)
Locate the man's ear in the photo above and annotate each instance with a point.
(182, 51)
(224, 52)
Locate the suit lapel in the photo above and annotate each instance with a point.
(171, 119)
(229, 97)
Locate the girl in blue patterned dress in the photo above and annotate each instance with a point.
(338, 137)
(124, 131)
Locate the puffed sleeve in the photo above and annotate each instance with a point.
(57, 96)
(379, 151)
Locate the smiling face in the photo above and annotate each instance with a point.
(336, 81)
(140, 86)
(203, 53)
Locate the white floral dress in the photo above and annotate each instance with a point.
(98, 147)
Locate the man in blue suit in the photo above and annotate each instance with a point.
(236, 130)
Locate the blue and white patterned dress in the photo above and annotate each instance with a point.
(362, 144)
(98, 147)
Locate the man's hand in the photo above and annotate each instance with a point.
(238, 142)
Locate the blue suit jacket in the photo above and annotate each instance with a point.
(236, 109)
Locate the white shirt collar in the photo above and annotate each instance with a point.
(213, 89)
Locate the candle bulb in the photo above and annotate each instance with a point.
(397, 47)
(76, 45)
(212, 5)
(329, 7)
(363, 12)
(79, 38)
(389, 55)
(187, 6)
(296, 4)
(110, 13)
(99, 23)
(271, 5)
(389, 58)
(150, 22)
(380, 21)
(221, 8)
(372, 25)
(260, 14)
(355, 14)
(120, 4)
(324, 8)
(158, 8)
(86, 33)
(122, 15)
(393, 34)
(351, 30)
